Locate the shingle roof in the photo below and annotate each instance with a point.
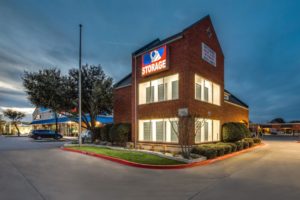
(155, 43)
(124, 81)
(235, 100)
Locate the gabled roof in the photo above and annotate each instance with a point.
(124, 81)
(157, 42)
(235, 100)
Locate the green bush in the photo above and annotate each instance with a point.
(227, 148)
(104, 133)
(245, 144)
(233, 147)
(97, 134)
(205, 150)
(220, 149)
(257, 140)
(250, 141)
(239, 145)
(120, 133)
(234, 131)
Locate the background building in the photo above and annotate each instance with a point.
(181, 74)
(44, 118)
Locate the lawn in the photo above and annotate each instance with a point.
(137, 157)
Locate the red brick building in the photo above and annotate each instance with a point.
(181, 74)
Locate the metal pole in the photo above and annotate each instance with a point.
(79, 86)
(135, 105)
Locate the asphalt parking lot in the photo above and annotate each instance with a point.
(40, 170)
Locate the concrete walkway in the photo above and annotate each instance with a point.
(32, 170)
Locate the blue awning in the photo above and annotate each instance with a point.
(99, 118)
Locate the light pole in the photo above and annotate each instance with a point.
(79, 86)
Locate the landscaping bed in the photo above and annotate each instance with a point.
(131, 156)
(214, 150)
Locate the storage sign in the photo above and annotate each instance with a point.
(209, 55)
(154, 61)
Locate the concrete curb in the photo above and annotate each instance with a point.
(146, 166)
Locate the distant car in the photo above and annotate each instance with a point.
(86, 136)
(40, 134)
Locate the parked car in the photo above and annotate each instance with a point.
(39, 134)
(86, 136)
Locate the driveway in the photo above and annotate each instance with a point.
(31, 170)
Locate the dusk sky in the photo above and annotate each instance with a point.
(260, 40)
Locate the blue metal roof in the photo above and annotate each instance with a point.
(99, 118)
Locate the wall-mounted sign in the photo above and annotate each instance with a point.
(183, 112)
(154, 61)
(209, 55)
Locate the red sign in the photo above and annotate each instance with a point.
(154, 61)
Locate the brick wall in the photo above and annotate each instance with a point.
(184, 58)
(122, 105)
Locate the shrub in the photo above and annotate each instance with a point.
(245, 144)
(205, 150)
(220, 150)
(227, 148)
(97, 133)
(257, 140)
(239, 145)
(104, 133)
(234, 131)
(120, 133)
(250, 141)
(233, 147)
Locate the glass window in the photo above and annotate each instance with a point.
(175, 89)
(206, 94)
(147, 131)
(162, 89)
(150, 94)
(174, 131)
(206, 90)
(207, 130)
(198, 91)
(161, 93)
(160, 132)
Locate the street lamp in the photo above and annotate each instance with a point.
(79, 86)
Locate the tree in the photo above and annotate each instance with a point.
(97, 93)
(186, 128)
(50, 89)
(15, 117)
(278, 120)
(2, 123)
(46, 88)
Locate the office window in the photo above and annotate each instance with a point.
(206, 93)
(147, 131)
(158, 130)
(161, 92)
(198, 91)
(149, 94)
(162, 89)
(174, 131)
(206, 90)
(175, 89)
(207, 130)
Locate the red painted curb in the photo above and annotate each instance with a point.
(146, 166)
